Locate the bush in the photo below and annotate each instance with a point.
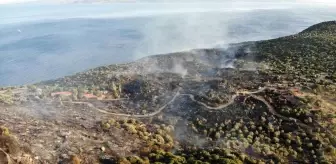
(4, 131)
(75, 159)
(130, 128)
(6, 98)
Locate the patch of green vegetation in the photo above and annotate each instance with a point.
(154, 136)
(7, 97)
(306, 55)
(192, 155)
(4, 131)
(267, 138)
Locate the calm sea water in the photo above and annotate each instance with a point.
(40, 42)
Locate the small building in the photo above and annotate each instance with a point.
(54, 94)
(90, 96)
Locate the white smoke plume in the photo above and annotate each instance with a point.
(101, 34)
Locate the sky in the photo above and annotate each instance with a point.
(14, 11)
(320, 2)
(14, 1)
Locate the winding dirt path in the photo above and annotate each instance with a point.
(133, 115)
(192, 97)
(272, 110)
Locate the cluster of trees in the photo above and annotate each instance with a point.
(100, 76)
(159, 144)
(155, 136)
(113, 90)
(307, 58)
(212, 98)
(138, 87)
(157, 157)
(192, 155)
(328, 28)
(300, 55)
(247, 79)
(94, 81)
(268, 136)
(291, 106)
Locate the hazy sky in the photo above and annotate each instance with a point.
(17, 12)
(321, 2)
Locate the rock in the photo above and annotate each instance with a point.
(102, 149)
(39, 91)
(37, 98)
(65, 156)
(64, 134)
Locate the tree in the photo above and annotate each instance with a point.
(81, 92)
(115, 91)
(217, 135)
(74, 94)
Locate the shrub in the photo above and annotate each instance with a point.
(6, 98)
(4, 131)
(130, 128)
(75, 159)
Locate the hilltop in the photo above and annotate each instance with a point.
(270, 101)
(322, 28)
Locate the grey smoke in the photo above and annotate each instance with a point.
(57, 40)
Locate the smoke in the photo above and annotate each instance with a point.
(54, 37)
(15, 1)
(219, 25)
(311, 2)
(180, 33)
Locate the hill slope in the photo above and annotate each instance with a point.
(271, 101)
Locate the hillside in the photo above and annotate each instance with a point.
(271, 101)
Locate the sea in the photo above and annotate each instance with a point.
(47, 41)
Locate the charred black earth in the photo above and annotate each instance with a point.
(271, 101)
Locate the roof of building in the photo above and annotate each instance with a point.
(61, 93)
(89, 95)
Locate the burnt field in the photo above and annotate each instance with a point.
(255, 102)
